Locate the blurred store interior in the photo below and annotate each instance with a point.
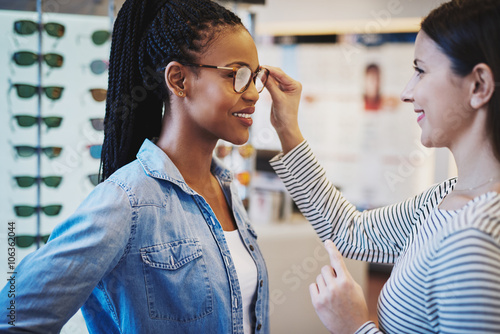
(353, 59)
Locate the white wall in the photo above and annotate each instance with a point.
(326, 16)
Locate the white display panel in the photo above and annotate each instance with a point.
(74, 135)
(375, 156)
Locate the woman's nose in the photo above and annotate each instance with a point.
(407, 93)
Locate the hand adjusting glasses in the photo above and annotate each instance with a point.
(242, 76)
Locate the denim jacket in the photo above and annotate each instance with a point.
(143, 253)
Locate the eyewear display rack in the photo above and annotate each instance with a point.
(53, 94)
(55, 72)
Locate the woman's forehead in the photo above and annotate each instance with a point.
(232, 46)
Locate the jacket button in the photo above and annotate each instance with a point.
(261, 283)
(259, 326)
(251, 248)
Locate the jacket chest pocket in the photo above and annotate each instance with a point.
(177, 283)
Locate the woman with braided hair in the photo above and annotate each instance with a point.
(163, 244)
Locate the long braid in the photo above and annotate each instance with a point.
(148, 34)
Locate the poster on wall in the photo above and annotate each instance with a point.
(352, 116)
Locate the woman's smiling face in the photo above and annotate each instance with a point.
(216, 110)
(440, 97)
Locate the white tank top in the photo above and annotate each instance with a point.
(247, 275)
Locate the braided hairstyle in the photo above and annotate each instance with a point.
(147, 35)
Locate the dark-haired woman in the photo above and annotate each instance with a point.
(445, 242)
(163, 244)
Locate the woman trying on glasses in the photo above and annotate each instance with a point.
(163, 244)
(445, 242)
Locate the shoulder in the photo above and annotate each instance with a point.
(139, 187)
(478, 223)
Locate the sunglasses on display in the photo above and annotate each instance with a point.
(28, 181)
(27, 91)
(243, 76)
(97, 123)
(24, 241)
(100, 37)
(98, 94)
(94, 179)
(28, 151)
(95, 151)
(99, 66)
(27, 58)
(27, 121)
(28, 210)
(25, 27)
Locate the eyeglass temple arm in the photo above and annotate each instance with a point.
(213, 66)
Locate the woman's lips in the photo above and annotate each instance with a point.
(420, 114)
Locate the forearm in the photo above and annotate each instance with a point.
(372, 235)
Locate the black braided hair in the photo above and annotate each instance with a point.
(147, 35)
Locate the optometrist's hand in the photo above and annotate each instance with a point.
(337, 298)
(285, 93)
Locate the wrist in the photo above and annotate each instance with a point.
(289, 139)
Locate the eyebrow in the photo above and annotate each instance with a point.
(415, 62)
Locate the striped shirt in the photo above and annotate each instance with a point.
(446, 274)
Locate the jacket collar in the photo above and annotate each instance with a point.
(157, 164)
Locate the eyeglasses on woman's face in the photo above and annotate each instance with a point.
(243, 76)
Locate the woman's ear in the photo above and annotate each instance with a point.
(175, 77)
(484, 86)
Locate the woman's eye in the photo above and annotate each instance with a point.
(418, 70)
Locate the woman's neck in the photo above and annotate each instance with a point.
(191, 155)
(478, 170)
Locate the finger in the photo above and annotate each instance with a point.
(320, 282)
(336, 259)
(283, 80)
(328, 274)
(272, 86)
(313, 290)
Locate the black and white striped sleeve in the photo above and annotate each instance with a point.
(374, 235)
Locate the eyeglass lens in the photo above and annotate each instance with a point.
(99, 94)
(24, 241)
(27, 91)
(94, 179)
(95, 151)
(100, 36)
(27, 120)
(244, 76)
(28, 210)
(97, 123)
(98, 66)
(25, 27)
(27, 151)
(27, 58)
(28, 181)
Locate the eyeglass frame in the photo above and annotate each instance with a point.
(235, 69)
